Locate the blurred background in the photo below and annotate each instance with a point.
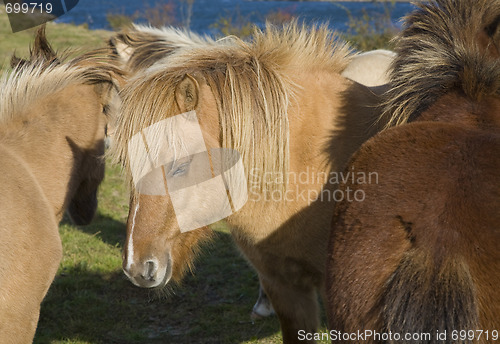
(379, 19)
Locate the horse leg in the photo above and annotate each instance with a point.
(297, 309)
(263, 307)
(291, 283)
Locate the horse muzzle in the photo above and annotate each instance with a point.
(149, 273)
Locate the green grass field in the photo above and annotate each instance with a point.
(91, 301)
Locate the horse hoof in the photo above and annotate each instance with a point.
(262, 310)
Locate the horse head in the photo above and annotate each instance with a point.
(157, 249)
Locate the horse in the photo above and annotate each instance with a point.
(138, 48)
(52, 118)
(370, 68)
(419, 255)
(280, 102)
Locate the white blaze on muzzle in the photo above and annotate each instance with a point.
(170, 157)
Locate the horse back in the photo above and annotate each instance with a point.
(427, 229)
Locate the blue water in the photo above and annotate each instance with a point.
(206, 12)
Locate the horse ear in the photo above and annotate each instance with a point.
(120, 47)
(186, 94)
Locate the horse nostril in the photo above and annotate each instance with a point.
(150, 268)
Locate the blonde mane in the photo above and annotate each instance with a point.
(252, 83)
(436, 55)
(142, 46)
(33, 80)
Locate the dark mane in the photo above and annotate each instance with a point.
(436, 55)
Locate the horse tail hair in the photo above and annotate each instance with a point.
(444, 45)
(423, 297)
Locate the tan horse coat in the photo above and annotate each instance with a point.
(371, 68)
(326, 117)
(51, 136)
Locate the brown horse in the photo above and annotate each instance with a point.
(52, 118)
(279, 101)
(419, 257)
(139, 47)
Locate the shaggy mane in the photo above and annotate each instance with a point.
(438, 51)
(251, 82)
(142, 46)
(46, 73)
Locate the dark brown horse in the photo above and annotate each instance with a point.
(419, 258)
(52, 119)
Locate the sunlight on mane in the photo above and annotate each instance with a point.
(22, 87)
(252, 83)
(447, 59)
(30, 82)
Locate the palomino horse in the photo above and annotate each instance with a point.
(420, 255)
(370, 68)
(52, 118)
(140, 47)
(279, 101)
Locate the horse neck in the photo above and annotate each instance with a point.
(51, 137)
(330, 119)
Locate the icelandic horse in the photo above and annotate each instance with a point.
(280, 101)
(420, 254)
(52, 119)
(138, 48)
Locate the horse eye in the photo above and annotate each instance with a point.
(181, 169)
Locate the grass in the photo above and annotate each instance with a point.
(90, 300)
(372, 30)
